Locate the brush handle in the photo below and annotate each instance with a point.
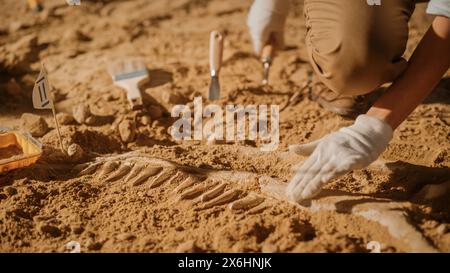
(268, 51)
(134, 96)
(215, 52)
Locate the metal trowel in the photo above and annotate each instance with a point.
(215, 62)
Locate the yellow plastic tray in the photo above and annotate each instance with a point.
(31, 149)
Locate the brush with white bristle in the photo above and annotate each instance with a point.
(127, 74)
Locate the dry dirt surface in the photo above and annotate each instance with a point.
(126, 186)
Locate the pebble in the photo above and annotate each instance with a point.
(155, 112)
(81, 112)
(127, 131)
(34, 124)
(75, 152)
(64, 118)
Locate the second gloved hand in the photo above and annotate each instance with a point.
(349, 148)
(267, 17)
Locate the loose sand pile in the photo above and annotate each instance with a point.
(193, 196)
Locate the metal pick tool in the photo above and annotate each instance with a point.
(267, 54)
(215, 62)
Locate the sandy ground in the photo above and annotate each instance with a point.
(194, 196)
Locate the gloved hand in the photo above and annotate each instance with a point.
(267, 17)
(349, 148)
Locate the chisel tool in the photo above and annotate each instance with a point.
(267, 54)
(215, 62)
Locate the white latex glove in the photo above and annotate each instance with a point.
(349, 148)
(267, 17)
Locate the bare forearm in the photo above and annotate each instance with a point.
(430, 61)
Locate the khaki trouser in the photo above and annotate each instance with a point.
(353, 47)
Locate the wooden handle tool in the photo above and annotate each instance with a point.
(215, 63)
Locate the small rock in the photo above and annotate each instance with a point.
(64, 118)
(173, 98)
(155, 112)
(34, 124)
(125, 237)
(81, 112)
(188, 247)
(127, 131)
(145, 120)
(441, 229)
(10, 191)
(50, 230)
(75, 152)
